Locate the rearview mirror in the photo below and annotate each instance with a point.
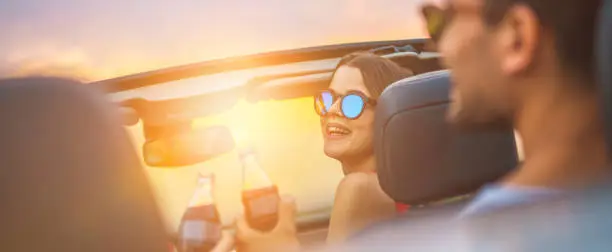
(188, 148)
(129, 116)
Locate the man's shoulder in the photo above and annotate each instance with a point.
(498, 196)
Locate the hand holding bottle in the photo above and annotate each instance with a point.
(259, 195)
(226, 243)
(200, 229)
(283, 237)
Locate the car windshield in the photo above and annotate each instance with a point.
(285, 133)
(96, 40)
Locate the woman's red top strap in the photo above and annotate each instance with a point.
(399, 207)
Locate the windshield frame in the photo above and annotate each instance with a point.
(160, 76)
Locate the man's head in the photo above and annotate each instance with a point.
(504, 52)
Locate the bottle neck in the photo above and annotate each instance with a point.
(253, 175)
(203, 193)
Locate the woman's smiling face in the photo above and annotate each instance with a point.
(345, 138)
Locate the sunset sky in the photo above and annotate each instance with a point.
(94, 39)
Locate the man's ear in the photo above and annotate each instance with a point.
(519, 35)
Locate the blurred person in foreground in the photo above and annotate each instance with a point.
(527, 64)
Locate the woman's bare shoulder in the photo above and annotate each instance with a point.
(359, 202)
(362, 188)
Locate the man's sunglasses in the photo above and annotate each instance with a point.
(436, 19)
(351, 104)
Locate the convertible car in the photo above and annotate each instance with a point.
(263, 100)
(192, 119)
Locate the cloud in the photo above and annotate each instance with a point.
(48, 60)
(91, 40)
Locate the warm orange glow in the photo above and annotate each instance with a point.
(241, 122)
(93, 43)
(251, 122)
(287, 138)
(155, 152)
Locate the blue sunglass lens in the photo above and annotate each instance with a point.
(328, 101)
(352, 106)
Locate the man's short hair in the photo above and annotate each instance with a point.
(572, 23)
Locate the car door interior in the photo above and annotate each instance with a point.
(70, 178)
(420, 158)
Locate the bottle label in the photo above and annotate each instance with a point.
(265, 205)
(201, 231)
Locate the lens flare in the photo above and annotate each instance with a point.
(240, 120)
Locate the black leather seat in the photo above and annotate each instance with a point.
(69, 178)
(420, 158)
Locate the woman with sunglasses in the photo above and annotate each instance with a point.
(347, 120)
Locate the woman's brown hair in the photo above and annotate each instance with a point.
(377, 72)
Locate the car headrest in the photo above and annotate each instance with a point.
(420, 159)
(70, 179)
(604, 67)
